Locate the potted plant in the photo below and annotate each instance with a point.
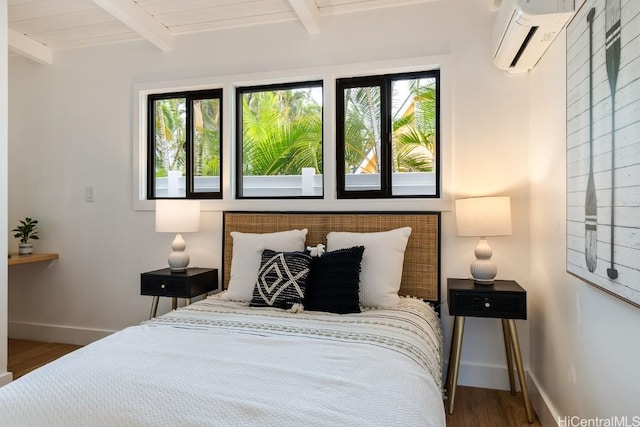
(26, 231)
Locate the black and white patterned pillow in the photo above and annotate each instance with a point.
(282, 279)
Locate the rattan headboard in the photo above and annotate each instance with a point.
(421, 272)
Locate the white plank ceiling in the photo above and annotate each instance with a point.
(38, 28)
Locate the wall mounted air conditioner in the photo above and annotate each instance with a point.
(524, 29)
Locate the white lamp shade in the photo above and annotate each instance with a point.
(177, 216)
(484, 216)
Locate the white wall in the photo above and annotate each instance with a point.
(583, 343)
(4, 376)
(77, 116)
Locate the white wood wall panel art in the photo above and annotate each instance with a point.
(603, 146)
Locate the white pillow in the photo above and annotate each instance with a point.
(245, 261)
(381, 266)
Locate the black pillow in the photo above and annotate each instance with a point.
(282, 279)
(334, 282)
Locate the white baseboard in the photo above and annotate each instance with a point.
(6, 378)
(547, 413)
(495, 377)
(55, 333)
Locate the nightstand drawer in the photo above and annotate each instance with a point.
(503, 300)
(506, 306)
(193, 282)
(164, 287)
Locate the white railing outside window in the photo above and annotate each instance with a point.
(404, 184)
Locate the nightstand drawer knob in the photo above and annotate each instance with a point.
(163, 286)
(487, 304)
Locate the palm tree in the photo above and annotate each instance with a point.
(206, 146)
(170, 135)
(362, 129)
(282, 132)
(414, 133)
(414, 128)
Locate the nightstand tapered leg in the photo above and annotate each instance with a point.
(447, 383)
(507, 347)
(154, 308)
(174, 303)
(513, 332)
(456, 348)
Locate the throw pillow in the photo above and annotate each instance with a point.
(333, 282)
(282, 279)
(247, 250)
(382, 262)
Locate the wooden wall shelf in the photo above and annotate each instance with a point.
(16, 259)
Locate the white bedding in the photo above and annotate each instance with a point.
(217, 363)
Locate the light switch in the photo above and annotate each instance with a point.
(88, 194)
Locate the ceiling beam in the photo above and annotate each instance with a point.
(308, 13)
(28, 47)
(136, 18)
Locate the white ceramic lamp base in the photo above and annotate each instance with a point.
(178, 259)
(483, 270)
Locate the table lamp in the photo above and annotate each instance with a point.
(483, 217)
(178, 216)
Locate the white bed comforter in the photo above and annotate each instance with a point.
(217, 363)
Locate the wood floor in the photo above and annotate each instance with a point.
(25, 356)
(488, 408)
(475, 407)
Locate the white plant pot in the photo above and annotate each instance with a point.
(25, 248)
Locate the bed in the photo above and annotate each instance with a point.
(224, 361)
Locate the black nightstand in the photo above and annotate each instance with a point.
(187, 284)
(505, 300)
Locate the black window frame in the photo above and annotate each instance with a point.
(189, 96)
(239, 163)
(384, 82)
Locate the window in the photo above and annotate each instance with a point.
(387, 135)
(279, 141)
(184, 145)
